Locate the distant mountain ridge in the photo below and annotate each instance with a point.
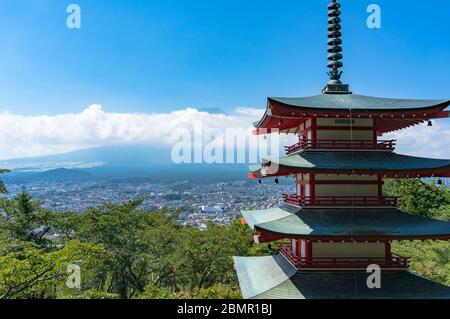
(138, 161)
(64, 174)
(213, 110)
(59, 174)
(135, 155)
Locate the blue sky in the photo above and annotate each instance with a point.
(163, 55)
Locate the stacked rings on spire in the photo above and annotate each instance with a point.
(334, 41)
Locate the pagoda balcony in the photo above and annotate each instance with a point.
(393, 262)
(354, 145)
(339, 201)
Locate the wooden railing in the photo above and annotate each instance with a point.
(305, 201)
(342, 145)
(397, 262)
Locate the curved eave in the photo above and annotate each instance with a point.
(386, 173)
(362, 225)
(258, 275)
(261, 216)
(367, 163)
(356, 103)
(273, 278)
(402, 114)
(273, 236)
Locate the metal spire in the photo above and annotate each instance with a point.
(335, 85)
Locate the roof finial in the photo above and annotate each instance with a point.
(335, 85)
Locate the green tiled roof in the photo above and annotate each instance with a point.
(273, 270)
(274, 278)
(367, 161)
(358, 102)
(262, 216)
(357, 223)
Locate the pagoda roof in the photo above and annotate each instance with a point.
(391, 114)
(274, 278)
(358, 103)
(385, 163)
(344, 224)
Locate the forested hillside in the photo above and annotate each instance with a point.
(430, 259)
(123, 251)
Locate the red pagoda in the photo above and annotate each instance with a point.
(339, 222)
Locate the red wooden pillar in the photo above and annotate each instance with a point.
(388, 251)
(375, 137)
(314, 130)
(312, 188)
(308, 252)
(380, 188)
(302, 187)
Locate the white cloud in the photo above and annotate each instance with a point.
(423, 140)
(25, 136)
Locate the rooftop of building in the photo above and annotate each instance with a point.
(274, 278)
(389, 164)
(337, 100)
(356, 102)
(345, 224)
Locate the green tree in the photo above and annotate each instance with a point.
(138, 243)
(418, 197)
(442, 213)
(162, 252)
(28, 271)
(3, 189)
(25, 220)
(153, 292)
(218, 291)
(430, 259)
(123, 251)
(208, 254)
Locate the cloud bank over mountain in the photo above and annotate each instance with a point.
(30, 136)
(23, 136)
